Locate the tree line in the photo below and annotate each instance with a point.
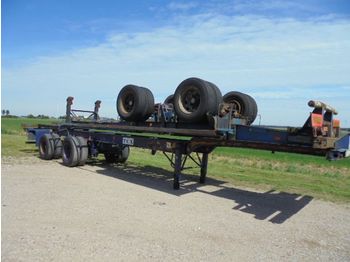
(6, 113)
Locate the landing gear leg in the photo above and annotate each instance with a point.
(204, 167)
(177, 169)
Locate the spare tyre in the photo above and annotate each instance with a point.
(135, 103)
(194, 98)
(243, 104)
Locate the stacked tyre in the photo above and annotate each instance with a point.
(135, 103)
(243, 104)
(195, 99)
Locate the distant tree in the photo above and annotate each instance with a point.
(7, 112)
(43, 117)
(3, 112)
(12, 116)
(30, 116)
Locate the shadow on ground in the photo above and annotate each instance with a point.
(276, 207)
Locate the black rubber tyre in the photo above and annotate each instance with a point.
(244, 105)
(117, 157)
(84, 150)
(46, 147)
(57, 146)
(123, 155)
(71, 151)
(169, 100)
(110, 157)
(135, 103)
(254, 109)
(150, 107)
(194, 98)
(218, 95)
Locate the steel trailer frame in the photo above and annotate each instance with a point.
(102, 136)
(177, 151)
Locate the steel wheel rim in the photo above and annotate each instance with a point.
(129, 103)
(190, 100)
(237, 106)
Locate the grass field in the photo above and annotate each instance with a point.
(13, 137)
(294, 173)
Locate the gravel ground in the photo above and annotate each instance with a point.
(108, 213)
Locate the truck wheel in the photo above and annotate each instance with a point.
(169, 100)
(84, 150)
(46, 147)
(110, 157)
(255, 109)
(218, 95)
(71, 151)
(194, 98)
(57, 146)
(150, 109)
(117, 157)
(135, 103)
(243, 104)
(123, 155)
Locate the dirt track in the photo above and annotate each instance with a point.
(51, 212)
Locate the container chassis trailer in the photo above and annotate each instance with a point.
(78, 139)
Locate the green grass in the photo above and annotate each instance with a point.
(294, 159)
(14, 145)
(293, 173)
(13, 126)
(13, 137)
(257, 169)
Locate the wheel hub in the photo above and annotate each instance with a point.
(191, 100)
(129, 103)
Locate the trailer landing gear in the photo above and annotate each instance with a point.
(178, 162)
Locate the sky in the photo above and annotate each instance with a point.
(282, 53)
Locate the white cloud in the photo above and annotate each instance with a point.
(248, 53)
